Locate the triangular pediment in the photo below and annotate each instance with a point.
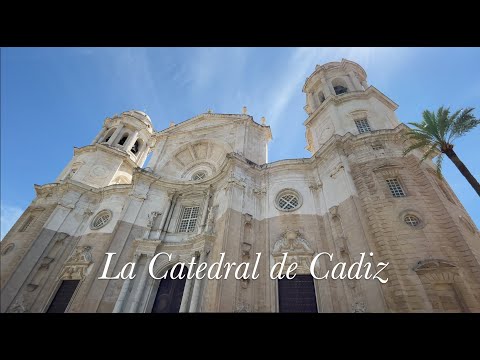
(205, 122)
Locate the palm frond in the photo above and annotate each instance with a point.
(462, 124)
(429, 152)
(438, 164)
(416, 145)
(430, 124)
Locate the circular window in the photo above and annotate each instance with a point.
(411, 220)
(199, 175)
(288, 200)
(101, 219)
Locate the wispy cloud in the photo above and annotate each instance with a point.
(207, 67)
(302, 63)
(9, 215)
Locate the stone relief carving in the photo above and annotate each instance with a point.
(151, 218)
(18, 306)
(259, 191)
(77, 264)
(298, 250)
(292, 242)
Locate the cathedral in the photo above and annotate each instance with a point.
(208, 191)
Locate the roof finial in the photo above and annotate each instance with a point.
(264, 121)
(244, 110)
(172, 123)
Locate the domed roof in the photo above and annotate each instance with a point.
(345, 64)
(139, 115)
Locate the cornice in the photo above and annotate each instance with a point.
(114, 151)
(53, 188)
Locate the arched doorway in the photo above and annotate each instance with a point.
(297, 294)
(170, 292)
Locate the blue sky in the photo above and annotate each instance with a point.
(53, 99)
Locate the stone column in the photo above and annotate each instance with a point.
(115, 135)
(196, 287)
(168, 216)
(327, 87)
(365, 84)
(129, 143)
(141, 286)
(186, 292)
(311, 103)
(355, 81)
(123, 293)
(99, 135)
(201, 228)
(144, 155)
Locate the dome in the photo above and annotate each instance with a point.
(345, 65)
(139, 115)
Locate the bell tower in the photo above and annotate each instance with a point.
(122, 144)
(340, 101)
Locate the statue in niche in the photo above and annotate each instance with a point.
(212, 212)
(151, 218)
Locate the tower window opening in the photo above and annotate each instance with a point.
(321, 97)
(123, 139)
(108, 135)
(339, 86)
(339, 90)
(135, 147)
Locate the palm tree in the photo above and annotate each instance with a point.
(436, 134)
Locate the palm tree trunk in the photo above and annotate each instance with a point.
(463, 169)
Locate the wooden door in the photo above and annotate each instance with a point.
(169, 294)
(297, 294)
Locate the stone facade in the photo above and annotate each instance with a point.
(337, 201)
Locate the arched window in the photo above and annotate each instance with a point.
(123, 139)
(108, 135)
(340, 86)
(136, 147)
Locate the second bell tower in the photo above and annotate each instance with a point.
(340, 101)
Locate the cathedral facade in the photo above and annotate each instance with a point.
(208, 190)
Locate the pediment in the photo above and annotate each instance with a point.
(207, 121)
